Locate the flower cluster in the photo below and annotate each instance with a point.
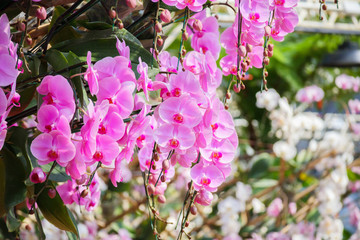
(244, 40)
(190, 126)
(9, 71)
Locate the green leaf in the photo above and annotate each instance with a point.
(102, 43)
(352, 176)
(259, 168)
(12, 222)
(94, 25)
(18, 138)
(67, 32)
(57, 60)
(58, 174)
(54, 210)
(2, 188)
(15, 175)
(265, 183)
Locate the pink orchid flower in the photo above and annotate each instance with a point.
(275, 207)
(91, 76)
(310, 94)
(174, 137)
(182, 111)
(122, 48)
(53, 146)
(193, 5)
(208, 178)
(120, 94)
(144, 82)
(218, 151)
(58, 92)
(204, 197)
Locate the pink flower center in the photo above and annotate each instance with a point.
(205, 181)
(48, 128)
(233, 70)
(48, 99)
(254, 16)
(189, 2)
(214, 126)
(204, 49)
(216, 155)
(110, 100)
(178, 118)
(102, 129)
(279, 2)
(147, 163)
(52, 155)
(98, 156)
(174, 143)
(141, 137)
(176, 92)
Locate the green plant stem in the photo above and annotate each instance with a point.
(183, 30)
(38, 220)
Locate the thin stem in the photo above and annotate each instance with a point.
(38, 220)
(93, 175)
(155, 33)
(183, 30)
(224, 4)
(239, 41)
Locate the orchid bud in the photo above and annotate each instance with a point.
(41, 13)
(51, 193)
(266, 61)
(324, 7)
(156, 157)
(131, 3)
(21, 26)
(163, 178)
(228, 95)
(226, 106)
(120, 25)
(81, 180)
(242, 86)
(29, 40)
(187, 223)
(242, 51)
(158, 27)
(185, 36)
(183, 52)
(197, 25)
(271, 47)
(165, 165)
(270, 53)
(37, 175)
(243, 65)
(159, 41)
(267, 31)
(161, 199)
(193, 210)
(84, 193)
(112, 13)
(165, 16)
(151, 189)
(249, 47)
(237, 88)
